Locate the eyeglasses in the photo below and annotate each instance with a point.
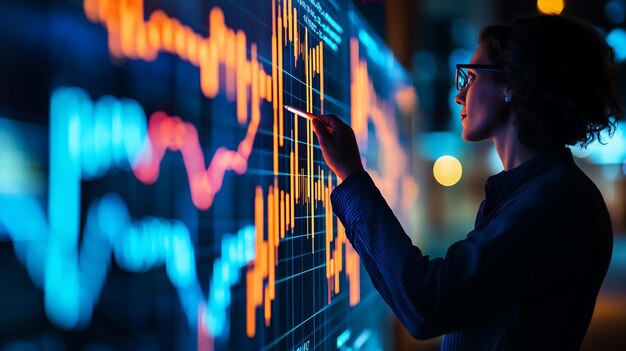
(462, 78)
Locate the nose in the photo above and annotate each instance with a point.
(460, 97)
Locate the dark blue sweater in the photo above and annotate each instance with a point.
(525, 278)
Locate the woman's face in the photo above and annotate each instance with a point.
(484, 109)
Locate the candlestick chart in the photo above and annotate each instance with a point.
(156, 194)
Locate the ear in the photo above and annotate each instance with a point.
(507, 92)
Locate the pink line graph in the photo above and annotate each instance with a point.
(170, 132)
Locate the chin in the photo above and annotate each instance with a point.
(467, 136)
(471, 137)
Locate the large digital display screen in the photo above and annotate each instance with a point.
(154, 193)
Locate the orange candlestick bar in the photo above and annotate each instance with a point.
(261, 273)
(308, 185)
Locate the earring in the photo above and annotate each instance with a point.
(507, 99)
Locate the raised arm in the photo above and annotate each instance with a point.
(518, 254)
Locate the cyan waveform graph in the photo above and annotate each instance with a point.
(89, 139)
(181, 205)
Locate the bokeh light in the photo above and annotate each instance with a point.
(550, 6)
(617, 39)
(447, 170)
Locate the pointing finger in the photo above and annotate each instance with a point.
(320, 129)
(331, 120)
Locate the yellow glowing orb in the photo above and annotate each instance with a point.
(550, 6)
(447, 170)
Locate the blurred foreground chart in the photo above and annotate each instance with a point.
(154, 194)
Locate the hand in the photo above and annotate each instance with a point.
(338, 144)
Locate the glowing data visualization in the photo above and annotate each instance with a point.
(155, 194)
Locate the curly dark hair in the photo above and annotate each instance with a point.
(563, 77)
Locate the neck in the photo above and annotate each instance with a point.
(511, 151)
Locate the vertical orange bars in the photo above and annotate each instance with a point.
(251, 304)
(292, 183)
(296, 39)
(276, 100)
(353, 271)
(208, 56)
(314, 61)
(255, 75)
(322, 76)
(281, 111)
(242, 77)
(287, 212)
(308, 184)
(329, 239)
(261, 82)
(255, 273)
(282, 214)
(271, 234)
(230, 63)
(292, 186)
(277, 227)
(268, 88)
(291, 20)
(130, 36)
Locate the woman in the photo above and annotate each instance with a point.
(528, 274)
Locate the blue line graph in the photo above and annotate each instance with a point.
(86, 141)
